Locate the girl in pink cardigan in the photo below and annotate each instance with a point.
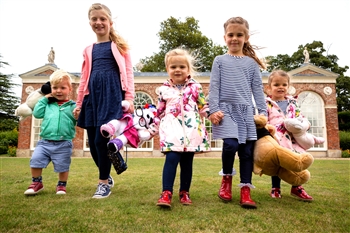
(106, 79)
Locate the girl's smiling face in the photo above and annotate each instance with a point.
(61, 90)
(100, 24)
(278, 87)
(178, 69)
(235, 37)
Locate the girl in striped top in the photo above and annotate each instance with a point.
(236, 78)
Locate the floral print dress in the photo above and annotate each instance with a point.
(181, 111)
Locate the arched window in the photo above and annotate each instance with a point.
(312, 107)
(142, 98)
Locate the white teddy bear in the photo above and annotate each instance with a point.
(26, 109)
(298, 127)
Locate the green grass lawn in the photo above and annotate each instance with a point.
(132, 204)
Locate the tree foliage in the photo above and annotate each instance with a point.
(8, 101)
(319, 57)
(173, 34)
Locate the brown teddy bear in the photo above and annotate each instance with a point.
(274, 160)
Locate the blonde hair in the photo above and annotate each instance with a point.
(248, 49)
(281, 73)
(60, 75)
(190, 59)
(122, 45)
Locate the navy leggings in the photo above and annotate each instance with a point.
(172, 159)
(245, 154)
(276, 182)
(98, 150)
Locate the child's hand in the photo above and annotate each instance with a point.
(131, 108)
(49, 95)
(216, 117)
(76, 113)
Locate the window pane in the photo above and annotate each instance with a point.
(312, 107)
(215, 144)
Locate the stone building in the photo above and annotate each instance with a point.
(315, 88)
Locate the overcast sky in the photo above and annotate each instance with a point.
(29, 28)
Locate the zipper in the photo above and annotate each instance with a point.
(182, 116)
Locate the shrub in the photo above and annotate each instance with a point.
(12, 151)
(344, 121)
(344, 138)
(7, 139)
(345, 154)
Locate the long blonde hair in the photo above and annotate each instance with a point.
(248, 49)
(122, 45)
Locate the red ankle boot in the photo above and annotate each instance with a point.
(246, 201)
(185, 198)
(225, 192)
(165, 199)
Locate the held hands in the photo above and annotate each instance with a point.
(131, 108)
(76, 112)
(216, 117)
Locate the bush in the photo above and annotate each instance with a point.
(8, 139)
(345, 154)
(344, 138)
(344, 121)
(12, 151)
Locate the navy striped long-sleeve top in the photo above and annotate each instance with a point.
(234, 82)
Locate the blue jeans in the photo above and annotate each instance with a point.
(245, 154)
(172, 159)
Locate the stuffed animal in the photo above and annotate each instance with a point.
(26, 109)
(298, 128)
(131, 130)
(274, 160)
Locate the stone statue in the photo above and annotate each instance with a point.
(51, 56)
(306, 55)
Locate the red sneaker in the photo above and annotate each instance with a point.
(300, 193)
(165, 199)
(60, 189)
(275, 193)
(34, 188)
(185, 198)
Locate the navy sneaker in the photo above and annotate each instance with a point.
(110, 181)
(102, 191)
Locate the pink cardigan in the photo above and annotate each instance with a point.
(125, 68)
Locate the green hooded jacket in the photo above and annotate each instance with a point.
(58, 121)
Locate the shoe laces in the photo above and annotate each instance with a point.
(166, 194)
(101, 189)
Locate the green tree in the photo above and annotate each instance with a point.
(8, 101)
(319, 57)
(173, 34)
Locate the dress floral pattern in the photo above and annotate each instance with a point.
(181, 111)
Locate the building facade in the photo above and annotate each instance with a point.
(315, 88)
